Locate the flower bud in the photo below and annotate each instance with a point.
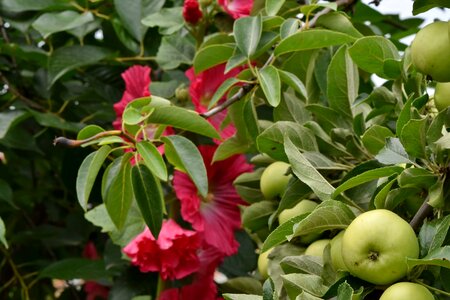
(191, 12)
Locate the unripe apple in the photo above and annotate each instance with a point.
(303, 207)
(316, 248)
(263, 264)
(430, 51)
(336, 252)
(407, 290)
(274, 179)
(442, 95)
(376, 244)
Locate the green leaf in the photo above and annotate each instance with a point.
(273, 6)
(432, 234)
(417, 177)
(66, 59)
(337, 21)
(256, 216)
(119, 193)
(152, 159)
(270, 82)
(184, 155)
(280, 234)
(72, 268)
(32, 5)
(289, 27)
(241, 297)
(312, 39)
(131, 14)
(149, 197)
(211, 56)
(380, 199)
(87, 174)
(307, 264)
(247, 33)
(413, 137)
(230, 147)
(2, 233)
(393, 153)
(374, 139)
(421, 6)
(174, 51)
(345, 291)
(328, 215)
(438, 257)
(436, 194)
(370, 52)
(222, 90)
(6, 193)
(406, 112)
(305, 171)
(295, 283)
(366, 177)
(342, 83)
(49, 23)
(89, 131)
(169, 20)
(9, 119)
(54, 121)
(182, 118)
(294, 82)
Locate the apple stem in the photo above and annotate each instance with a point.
(424, 210)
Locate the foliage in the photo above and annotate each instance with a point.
(298, 87)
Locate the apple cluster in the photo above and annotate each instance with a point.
(430, 54)
(374, 247)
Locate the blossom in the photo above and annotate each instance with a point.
(137, 81)
(191, 11)
(203, 286)
(202, 89)
(217, 215)
(173, 254)
(237, 8)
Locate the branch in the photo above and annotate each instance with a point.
(424, 210)
(19, 95)
(76, 143)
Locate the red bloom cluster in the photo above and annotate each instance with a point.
(191, 12)
(237, 8)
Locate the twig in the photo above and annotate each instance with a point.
(76, 143)
(19, 95)
(424, 210)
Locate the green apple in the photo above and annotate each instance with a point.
(303, 207)
(274, 179)
(316, 248)
(407, 290)
(376, 244)
(336, 252)
(430, 51)
(263, 264)
(442, 95)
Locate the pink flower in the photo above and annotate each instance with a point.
(203, 286)
(237, 8)
(191, 11)
(217, 215)
(137, 81)
(173, 254)
(202, 89)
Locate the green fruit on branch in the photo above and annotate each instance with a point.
(442, 95)
(430, 51)
(274, 179)
(376, 244)
(303, 207)
(336, 252)
(407, 290)
(316, 248)
(263, 264)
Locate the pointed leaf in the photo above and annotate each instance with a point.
(432, 234)
(281, 233)
(273, 6)
(270, 82)
(72, 268)
(413, 137)
(184, 119)
(87, 174)
(247, 33)
(174, 51)
(49, 23)
(438, 257)
(149, 197)
(184, 155)
(152, 159)
(393, 153)
(374, 139)
(222, 90)
(294, 82)
(211, 56)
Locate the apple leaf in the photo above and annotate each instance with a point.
(270, 82)
(256, 216)
(432, 234)
(406, 112)
(374, 139)
(280, 234)
(393, 153)
(437, 257)
(417, 177)
(247, 32)
(380, 198)
(302, 264)
(328, 215)
(413, 137)
(306, 172)
(211, 56)
(295, 283)
(241, 297)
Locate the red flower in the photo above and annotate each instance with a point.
(191, 11)
(217, 215)
(173, 255)
(237, 8)
(137, 81)
(202, 89)
(203, 286)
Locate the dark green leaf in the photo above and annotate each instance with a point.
(438, 257)
(421, 6)
(247, 33)
(312, 39)
(9, 119)
(149, 197)
(184, 155)
(256, 216)
(211, 56)
(89, 131)
(432, 234)
(174, 51)
(55, 121)
(345, 292)
(393, 153)
(417, 177)
(87, 174)
(405, 114)
(280, 234)
(306, 172)
(230, 147)
(50, 23)
(270, 82)
(295, 283)
(72, 268)
(413, 137)
(294, 82)
(152, 159)
(169, 20)
(222, 90)
(32, 5)
(374, 139)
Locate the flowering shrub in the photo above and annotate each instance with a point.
(219, 149)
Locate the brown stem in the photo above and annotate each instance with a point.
(424, 210)
(76, 143)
